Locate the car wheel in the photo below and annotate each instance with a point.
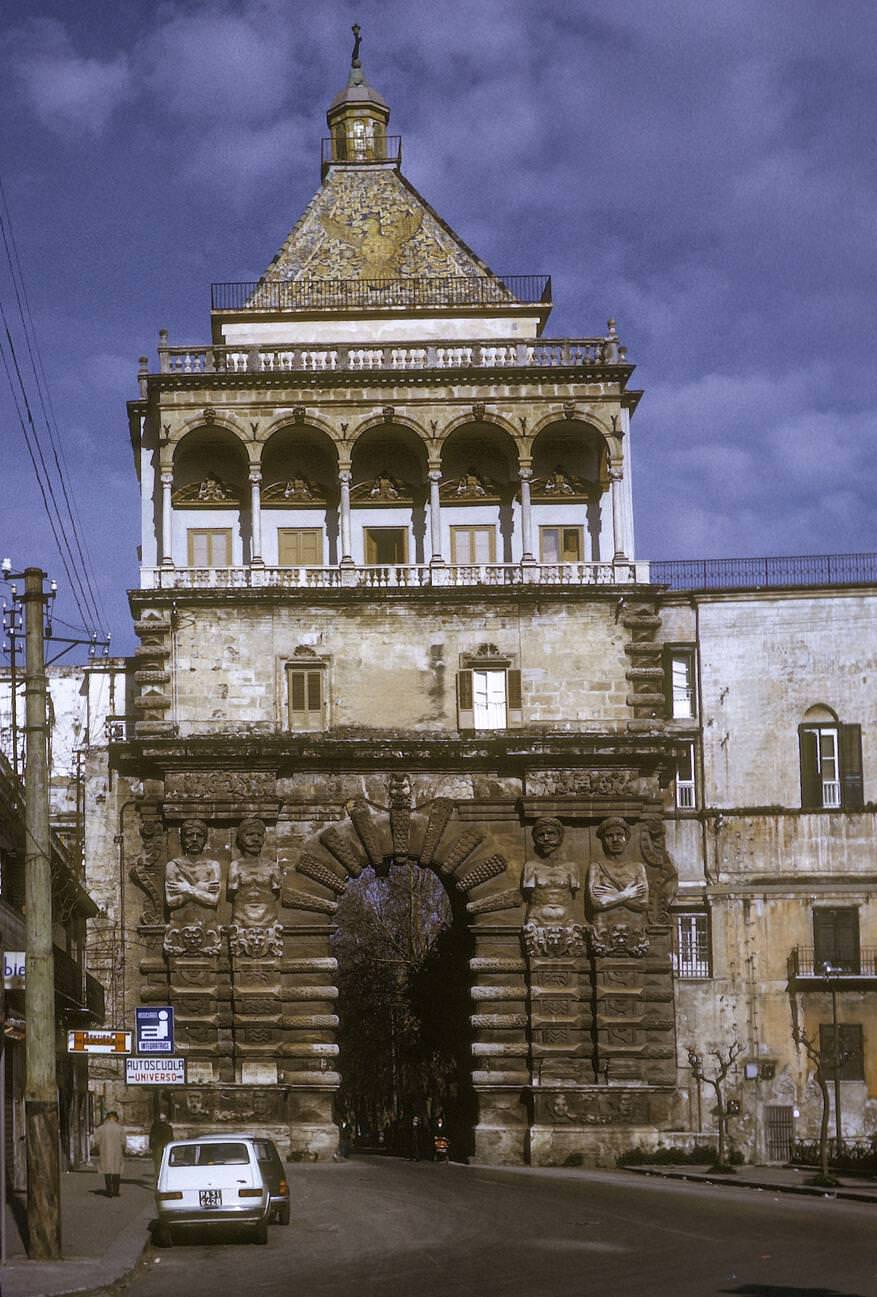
(283, 1214)
(163, 1236)
(260, 1234)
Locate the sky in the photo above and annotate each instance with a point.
(701, 170)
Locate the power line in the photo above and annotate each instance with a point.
(78, 572)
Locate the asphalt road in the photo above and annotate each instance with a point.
(375, 1227)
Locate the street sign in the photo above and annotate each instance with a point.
(155, 1071)
(155, 1029)
(13, 970)
(98, 1042)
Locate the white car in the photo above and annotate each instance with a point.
(212, 1180)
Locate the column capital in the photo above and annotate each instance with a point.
(255, 474)
(435, 475)
(167, 477)
(344, 476)
(525, 473)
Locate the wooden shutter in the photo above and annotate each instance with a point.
(811, 783)
(515, 701)
(465, 703)
(306, 699)
(667, 664)
(571, 550)
(852, 794)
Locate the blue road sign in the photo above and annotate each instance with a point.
(155, 1029)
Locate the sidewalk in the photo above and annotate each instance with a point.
(776, 1179)
(102, 1238)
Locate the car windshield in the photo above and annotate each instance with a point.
(209, 1155)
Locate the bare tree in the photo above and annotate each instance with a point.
(822, 1061)
(725, 1060)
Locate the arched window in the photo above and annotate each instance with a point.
(831, 762)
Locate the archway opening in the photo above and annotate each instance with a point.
(404, 1015)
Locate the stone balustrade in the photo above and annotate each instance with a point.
(407, 576)
(342, 357)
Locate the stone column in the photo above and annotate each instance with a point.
(526, 516)
(344, 476)
(256, 516)
(435, 516)
(616, 478)
(167, 552)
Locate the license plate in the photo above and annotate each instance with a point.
(210, 1197)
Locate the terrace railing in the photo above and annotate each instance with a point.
(802, 964)
(271, 295)
(762, 573)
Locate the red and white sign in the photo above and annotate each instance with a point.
(98, 1042)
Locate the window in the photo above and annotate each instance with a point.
(561, 544)
(386, 544)
(299, 546)
(851, 1050)
(306, 691)
(473, 545)
(691, 955)
(686, 798)
(488, 697)
(679, 682)
(836, 938)
(831, 766)
(209, 546)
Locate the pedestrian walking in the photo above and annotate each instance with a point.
(161, 1132)
(109, 1140)
(414, 1140)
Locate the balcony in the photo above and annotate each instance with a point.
(340, 358)
(857, 973)
(447, 291)
(409, 576)
(351, 152)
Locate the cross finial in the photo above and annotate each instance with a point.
(357, 41)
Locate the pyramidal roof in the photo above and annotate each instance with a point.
(368, 222)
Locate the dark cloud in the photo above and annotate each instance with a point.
(703, 171)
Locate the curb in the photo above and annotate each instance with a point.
(732, 1182)
(84, 1275)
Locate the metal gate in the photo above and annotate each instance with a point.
(780, 1133)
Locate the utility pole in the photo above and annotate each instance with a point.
(41, 1091)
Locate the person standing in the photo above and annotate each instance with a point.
(161, 1132)
(109, 1140)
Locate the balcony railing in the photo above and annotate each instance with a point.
(764, 573)
(343, 358)
(802, 964)
(356, 294)
(409, 576)
(341, 148)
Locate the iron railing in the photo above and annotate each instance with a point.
(761, 573)
(341, 148)
(802, 963)
(356, 294)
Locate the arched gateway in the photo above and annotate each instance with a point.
(567, 908)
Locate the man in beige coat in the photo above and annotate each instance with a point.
(109, 1140)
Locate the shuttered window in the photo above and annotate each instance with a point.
(471, 545)
(209, 546)
(686, 796)
(386, 545)
(306, 697)
(489, 698)
(831, 767)
(300, 546)
(560, 544)
(836, 938)
(851, 1050)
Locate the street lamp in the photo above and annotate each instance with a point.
(831, 973)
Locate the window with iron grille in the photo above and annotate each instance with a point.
(686, 793)
(691, 954)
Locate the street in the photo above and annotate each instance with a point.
(392, 1228)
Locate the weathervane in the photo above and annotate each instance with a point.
(357, 41)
